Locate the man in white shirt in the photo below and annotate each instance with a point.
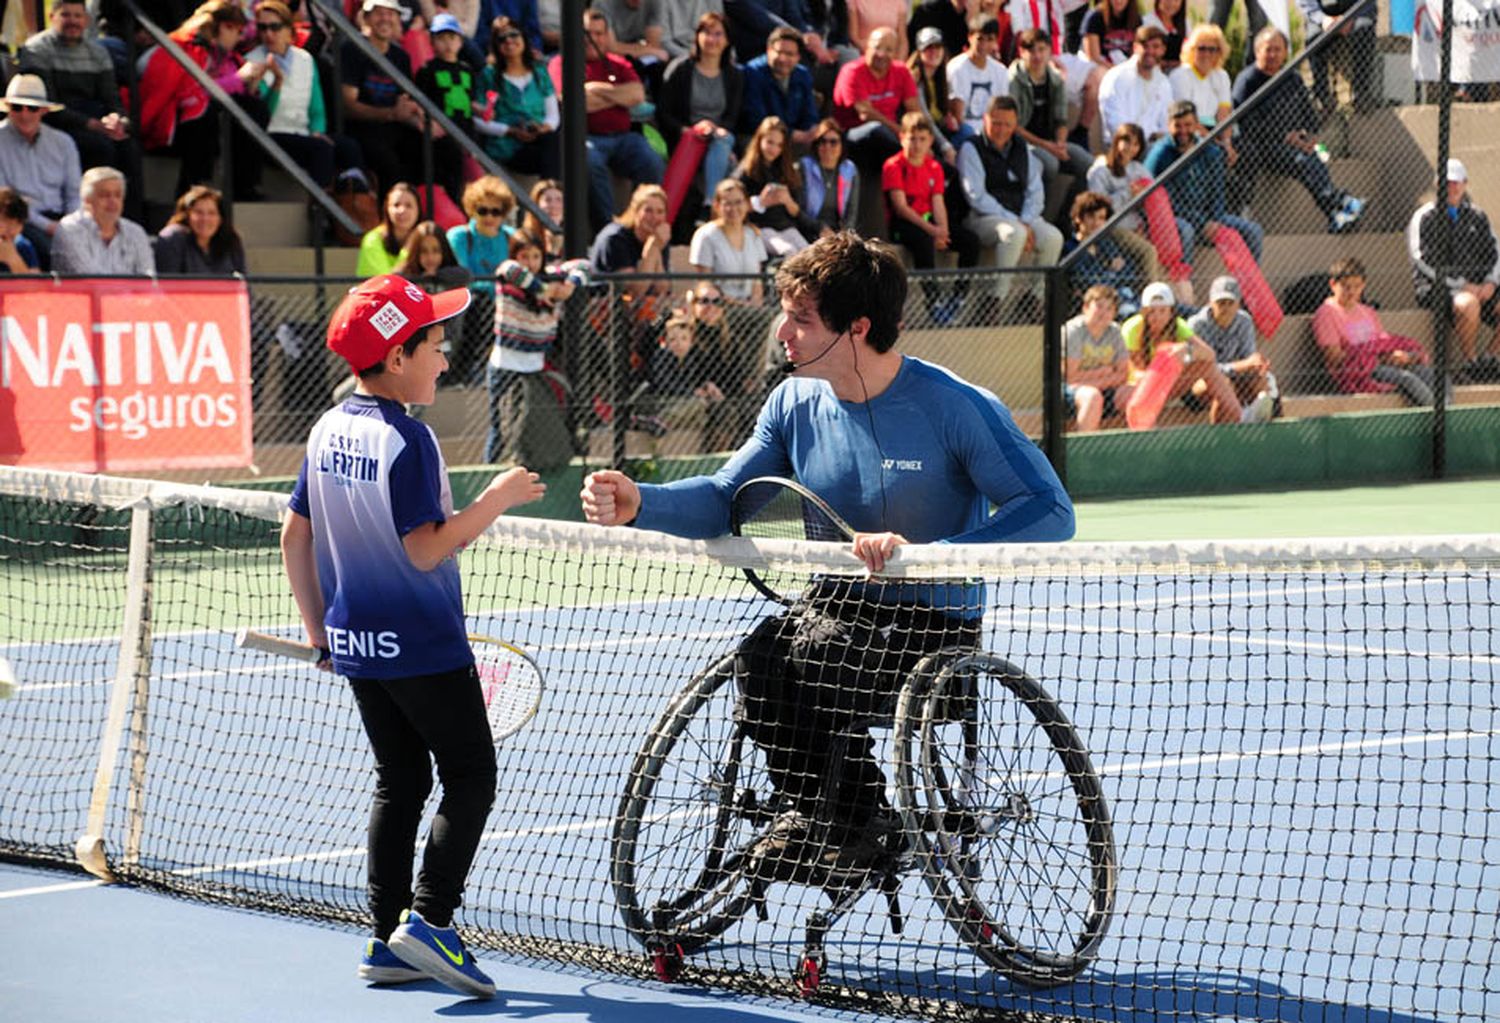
(96, 239)
(1137, 91)
(975, 77)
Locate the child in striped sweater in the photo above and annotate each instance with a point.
(527, 309)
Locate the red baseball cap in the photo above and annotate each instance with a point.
(384, 312)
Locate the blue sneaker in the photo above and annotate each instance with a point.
(379, 965)
(439, 954)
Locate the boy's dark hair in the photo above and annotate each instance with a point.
(847, 277)
(1090, 202)
(1347, 267)
(13, 204)
(1030, 37)
(408, 348)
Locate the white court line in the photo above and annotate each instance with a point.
(49, 889)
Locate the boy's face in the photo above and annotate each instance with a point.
(916, 143)
(1224, 310)
(9, 228)
(1099, 311)
(447, 46)
(679, 341)
(419, 372)
(530, 257)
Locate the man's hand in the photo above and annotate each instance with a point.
(610, 498)
(1210, 228)
(874, 548)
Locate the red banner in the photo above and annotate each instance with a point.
(120, 375)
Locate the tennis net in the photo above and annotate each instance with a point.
(1297, 746)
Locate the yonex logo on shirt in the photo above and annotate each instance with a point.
(387, 320)
(902, 464)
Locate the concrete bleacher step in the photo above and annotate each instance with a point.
(282, 259)
(1282, 206)
(1287, 257)
(272, 223)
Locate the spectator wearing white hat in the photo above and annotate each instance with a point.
(1469, 276)
(37, 160)
(1157, 327)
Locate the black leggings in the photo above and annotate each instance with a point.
(408, 721)
(832, 664)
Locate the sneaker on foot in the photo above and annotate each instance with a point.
(1347, 215)
(438, 953)
(1259, 410)
(379, 965)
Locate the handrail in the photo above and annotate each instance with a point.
(245, 121)
(1292, 66)
(348, 29)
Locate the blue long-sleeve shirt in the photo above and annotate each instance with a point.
(933, 458)
(764, 98)
(981, 202)
(1197, 192)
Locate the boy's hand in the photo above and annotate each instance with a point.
(516, 487)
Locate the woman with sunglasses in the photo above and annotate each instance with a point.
(285, 76)
(1201, 78)
(830, 182)
(517, 115)
(481, 246)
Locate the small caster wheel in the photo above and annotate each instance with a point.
(981, 924)
(808, 976)
(666, 962)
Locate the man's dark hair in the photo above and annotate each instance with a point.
(847, 277)
(13, 204)
(1003, 103)
(1146, 33)
(782, 33)
(1182, 108)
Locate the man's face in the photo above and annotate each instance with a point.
(1224, 310)
(805, 337)
(1184, 130)
(1456, 191)
(599, 34)
(26, 120)
(1037, 56)
(880, 50)
(1000, 126)
(70, 20)
(783, 56)
(1150, 53)
(383, 23)
(106, 202)
(1270, 54)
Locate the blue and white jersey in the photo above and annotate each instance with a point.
(372, 474)
(932, 457)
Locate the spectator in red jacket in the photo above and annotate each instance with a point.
(176, 112)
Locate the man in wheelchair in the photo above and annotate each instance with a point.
(905, 452)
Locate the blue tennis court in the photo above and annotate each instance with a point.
(1300, 765)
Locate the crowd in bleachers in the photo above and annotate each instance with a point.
(1003, 132)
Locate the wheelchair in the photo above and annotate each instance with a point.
(999, 806)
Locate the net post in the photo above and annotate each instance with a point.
(128, 696)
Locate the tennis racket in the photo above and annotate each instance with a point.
(508, 676)
(773, 508)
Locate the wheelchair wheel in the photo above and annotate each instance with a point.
(1008, 816)
(694, 802)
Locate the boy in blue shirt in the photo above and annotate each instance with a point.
(368, 547)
